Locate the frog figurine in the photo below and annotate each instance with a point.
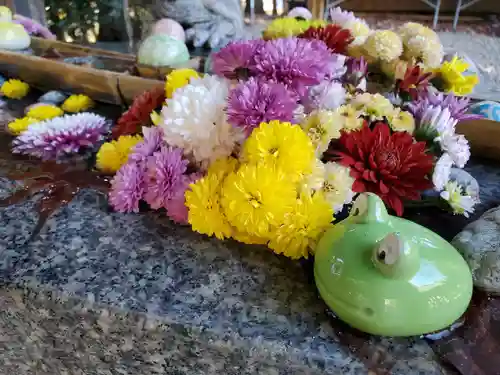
(388, 276)
(12, 35)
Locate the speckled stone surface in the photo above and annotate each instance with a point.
(97, 292)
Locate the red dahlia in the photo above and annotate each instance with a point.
(139, 113)
(336, 38)
(392, 166)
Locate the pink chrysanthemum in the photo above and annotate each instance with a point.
(61, 136)
(176, 206)
(297, 63)
(165, 173)
(127, 188)
(253, 102)
(236, 59)
(149, 145)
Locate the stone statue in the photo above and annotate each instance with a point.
(207, 22)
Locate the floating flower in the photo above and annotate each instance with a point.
(151, 143)
(335, 37)
(383, 45)
(337, 187)
(112, 155)
(195, 120)
(401, 121)
(127, 188)
(139, 113)
(178, 78)
(61, 136)
(451, 73)
(77, 103)
(374, 106)
(442, 171)
(164, 177)
(236, 60)
(297, 63)
(14, 89)
(176, 205)
(328, 95)
(19, 125)
(256, 197)
(321, 127)
(302, 226)
(45, 112)
(253, 102)
(282, 145)
(392, 166)
(204, 210)
(462, 202)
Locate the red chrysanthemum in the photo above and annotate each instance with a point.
(393, 166)
(336, 38)
(139, 113)
(412, 81)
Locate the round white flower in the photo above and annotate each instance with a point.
(458, 198)
(442, 170)
(457, 146)
(338, 185)
(327, 96)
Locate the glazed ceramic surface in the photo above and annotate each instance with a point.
(162, 50)
(388, 276)
(12, 36)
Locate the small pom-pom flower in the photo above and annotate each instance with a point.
(383, 45)
(253, 102)
(15, 89)
(179, 78)
(19, 125)
(61, 136)
(77, 103)
(45, 112)
(127, 188)
(112, 155)
(281, 145)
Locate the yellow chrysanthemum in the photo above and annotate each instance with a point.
(337, 188)
(454, 80)
(15, 89)
(19, 125)
(45, 112)
(155, 118)
(77, 103)
(302, 226)
(321, 127)
(383, 45)
(348, 117)
(287, 27)
(282, 145)
(256, 197)
(222, 167)
(178, 78)
(374, 105)
(205, 213)
(249, 239)
(112, 155)
(402, 121)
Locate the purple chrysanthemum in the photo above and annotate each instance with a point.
(165, 173)
(297, 63)
(236, 59)
(127, 188)
(176, 206)
(61, 136)
(455, 105)
(149, 145)
(254, 101)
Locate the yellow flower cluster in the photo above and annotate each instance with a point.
(15, 89)
(261, 199)
(454, 80)
(19, 125)
(77, 103)
(287, 27)
(45, 112)
(112, 155)
(178, 78)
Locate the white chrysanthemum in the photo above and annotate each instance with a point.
(412, 29)
(325, 96)
(459, 199)
(457, 146)
(359, 30)
(421, 48)
(442, 170)
(61, 136)
(341, 17)
(338, 186)
(321, 127)
(314, 181)
(195, 120)
(383, 45)
(440, 119)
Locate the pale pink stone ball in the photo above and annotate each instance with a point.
(169, 27)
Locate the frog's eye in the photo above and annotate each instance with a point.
(360, 206)
(389, 250)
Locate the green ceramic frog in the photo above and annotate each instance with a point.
(389, 276)
(12, 36)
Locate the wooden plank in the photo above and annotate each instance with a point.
(483, 136)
